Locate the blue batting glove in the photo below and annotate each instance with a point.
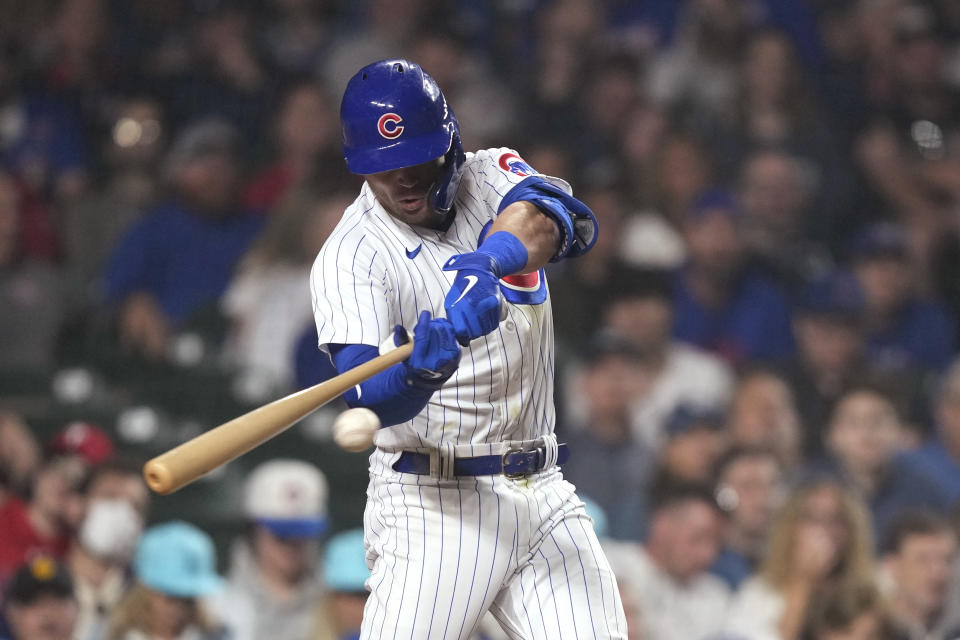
(436, 353)
(473, 302)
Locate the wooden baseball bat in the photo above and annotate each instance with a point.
(185, 463)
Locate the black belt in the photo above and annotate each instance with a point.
(514, 463)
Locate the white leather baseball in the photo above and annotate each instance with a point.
(354, 429)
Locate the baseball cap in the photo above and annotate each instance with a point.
(719, 200)
(597, 514)
(38, 577)
(881, 240)
(606, 342)
(85, 440)
(288, 497)
(345, 562)
(686, 418)
(629, 282)
(178, 559)
(835, 294)
(210, 136)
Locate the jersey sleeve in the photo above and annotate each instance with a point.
(497, 171)
(351, 292)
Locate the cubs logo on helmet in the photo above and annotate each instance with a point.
(515, 164)
(389, 126)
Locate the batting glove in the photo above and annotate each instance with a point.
(436, 353)
(473, 302)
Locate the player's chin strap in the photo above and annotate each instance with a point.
(551, 450)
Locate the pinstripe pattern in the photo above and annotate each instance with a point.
(538, 566)
(443, 552)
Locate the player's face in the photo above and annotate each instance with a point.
(404, 192)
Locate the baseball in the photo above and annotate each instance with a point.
(354, 428)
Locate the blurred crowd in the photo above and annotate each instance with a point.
(757, 364)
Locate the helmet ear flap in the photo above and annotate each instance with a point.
(446, 190)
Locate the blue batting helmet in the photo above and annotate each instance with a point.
(394, 115)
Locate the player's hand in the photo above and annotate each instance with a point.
(473, 302)
(436, 353)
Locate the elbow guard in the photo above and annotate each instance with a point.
(575, 221)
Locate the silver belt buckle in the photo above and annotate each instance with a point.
(503, 464)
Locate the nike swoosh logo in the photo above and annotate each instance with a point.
(413, 254)
(471, 280)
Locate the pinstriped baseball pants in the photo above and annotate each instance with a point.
(443, 552)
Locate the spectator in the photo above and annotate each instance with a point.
(827, 323)
(906, 166)
(128, 185)
(902, 330)
(102, 548)
(82, 446)
(31, 294)
(305, 139)
(857, 615)
(776, 109)
(19, 456)
(919, 556)
(297, 34)
(820, 544)
(695, 440)
(764, 415)
(750, 489)
(39, 602)
(644, 132)
(223, 75)
(264, 302)
(684, 171)
(940, 455)
(344, 574)
(699, 72)
(579, 294)
(668, 574)
(719, 305)
(43, 145)
(641, 309)
(180, 256)
(174, 566)
(775, 189)
(612, 377)
(864, 439)
(274, 568)
(41, 524)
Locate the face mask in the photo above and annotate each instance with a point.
(111, 529)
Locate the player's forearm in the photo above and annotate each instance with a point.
(537, 232)
(388, 394)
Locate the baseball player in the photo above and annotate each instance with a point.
(467, 510)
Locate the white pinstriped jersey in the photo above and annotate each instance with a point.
(375, 272)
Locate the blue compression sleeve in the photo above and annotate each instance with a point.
(387, 394)
(507, 251)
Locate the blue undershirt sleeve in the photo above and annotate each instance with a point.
(387, 394)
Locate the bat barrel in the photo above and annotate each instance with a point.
(182, 465)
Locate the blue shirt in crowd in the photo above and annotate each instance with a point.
(184, 259)
(921, 335)
(754, 324)
(905, 486)
(48, 142)
(940, 467)
(733, 567)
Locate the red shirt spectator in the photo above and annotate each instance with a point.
(20, 539)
